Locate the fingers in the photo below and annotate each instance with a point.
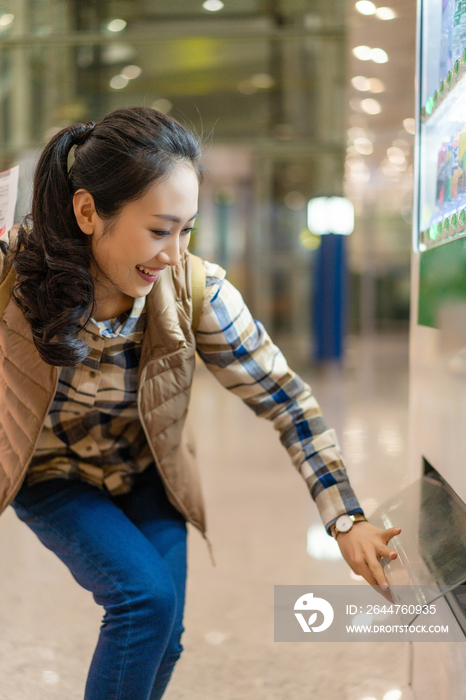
(390, 532)
(364, 570)
(385, 592)
(364, 551)
(387, 552)
(369, 566)
(376, 571)
(362, 566)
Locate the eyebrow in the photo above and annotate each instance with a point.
(169, 217)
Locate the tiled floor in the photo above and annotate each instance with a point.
(259, 512)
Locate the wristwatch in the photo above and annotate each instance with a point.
(345, 522)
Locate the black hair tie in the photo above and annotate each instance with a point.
(89, 129)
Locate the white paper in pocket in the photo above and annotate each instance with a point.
(8, 197)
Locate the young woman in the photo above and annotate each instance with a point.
(97, 357)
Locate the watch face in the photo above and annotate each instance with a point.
(344, 523)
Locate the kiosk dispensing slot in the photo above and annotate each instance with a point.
(431, 547)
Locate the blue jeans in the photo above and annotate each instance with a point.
(130, 552)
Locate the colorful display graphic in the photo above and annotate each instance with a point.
(443, 124)
(451, 169)
(453, 35)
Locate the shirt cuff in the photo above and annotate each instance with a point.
(335, 501)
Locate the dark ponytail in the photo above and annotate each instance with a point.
(117, 160)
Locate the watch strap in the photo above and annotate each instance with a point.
(359, 517)
(356, 518)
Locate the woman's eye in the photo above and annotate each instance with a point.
(162, 234)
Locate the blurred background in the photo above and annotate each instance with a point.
(295, 99)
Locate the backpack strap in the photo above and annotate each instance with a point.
(197, 289)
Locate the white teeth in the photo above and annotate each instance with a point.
(151, 273)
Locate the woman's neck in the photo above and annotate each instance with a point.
(106, 309)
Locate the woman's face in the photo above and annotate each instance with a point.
(150, 233)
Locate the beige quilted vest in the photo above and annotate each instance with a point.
(28, 386)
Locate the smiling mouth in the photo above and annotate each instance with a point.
(150, 272)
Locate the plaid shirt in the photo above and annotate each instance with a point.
(93, 432)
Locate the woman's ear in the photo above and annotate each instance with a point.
(84, 211)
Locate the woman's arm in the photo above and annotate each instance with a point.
(240, 354)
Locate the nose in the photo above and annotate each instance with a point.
(170, 254)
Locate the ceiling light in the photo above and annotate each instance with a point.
(213, 5)
(396, 155)
(117, 52)
(390, 170)
(131, 72)
(162, 105)
(361, 83)
(355, 132)
(5, 20)
(378, 56)
(403, 145)
(359, 172)
(330, 215)
(262, 80)
(362, 52)
(363, 146)
(116, 25)
(385, 13)
(371, 106)
(376, 85)
(119, 81)
(410, 125)
(308, 240)
(365, 7)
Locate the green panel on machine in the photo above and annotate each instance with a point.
(442, 279)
